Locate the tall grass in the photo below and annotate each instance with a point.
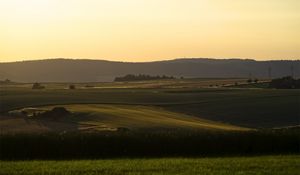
(148, 144)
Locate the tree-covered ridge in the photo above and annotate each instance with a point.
(71, 70)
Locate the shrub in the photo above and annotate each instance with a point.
(72, 86)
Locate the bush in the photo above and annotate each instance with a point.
(72, 86)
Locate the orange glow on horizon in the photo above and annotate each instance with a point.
(143, 30)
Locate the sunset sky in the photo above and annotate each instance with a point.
(148, 30)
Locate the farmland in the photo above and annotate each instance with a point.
(250, 108)
(134, 87)
(165, 126)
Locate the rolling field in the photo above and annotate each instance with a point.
(264, 165)
(251, 108)
(118, 122)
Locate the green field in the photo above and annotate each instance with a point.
(264, 165)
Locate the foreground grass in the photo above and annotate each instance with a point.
(274, 165)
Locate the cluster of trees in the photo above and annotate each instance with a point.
(55, 114)
(37, 86)
(142, 77)
(285, 83)
(40, 86)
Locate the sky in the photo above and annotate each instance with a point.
(149, 30)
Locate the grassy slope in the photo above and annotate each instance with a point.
(110, 117)
(276, 165)
(145, 117)
(243, 107)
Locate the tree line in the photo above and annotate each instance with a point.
(285, 83)
(141, 77)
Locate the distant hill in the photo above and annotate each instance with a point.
(72, 70)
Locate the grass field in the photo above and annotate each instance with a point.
(264, 165)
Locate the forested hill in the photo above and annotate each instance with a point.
(72, 70)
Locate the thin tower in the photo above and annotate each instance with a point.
(292, 71)
(270, 72)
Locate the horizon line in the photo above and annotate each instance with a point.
(172, 59)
